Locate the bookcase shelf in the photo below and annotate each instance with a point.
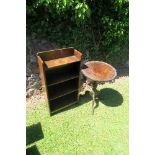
(63, 102)
(59, 72)
(62, 89)
(62, 74)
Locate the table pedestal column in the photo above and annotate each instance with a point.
(91, 86)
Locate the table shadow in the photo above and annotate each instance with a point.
(110, 97)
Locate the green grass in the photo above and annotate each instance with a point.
(76, 131)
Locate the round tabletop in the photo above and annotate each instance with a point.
(99, 71)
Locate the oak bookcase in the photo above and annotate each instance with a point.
(60, 73)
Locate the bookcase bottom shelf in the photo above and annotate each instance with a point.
(63, 102)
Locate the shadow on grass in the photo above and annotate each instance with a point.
(34, 133)
(33, 150)
(110, 97)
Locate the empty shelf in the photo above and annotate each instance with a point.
(60, 79)
(62, 89)
(61, 61)
(63, 102)
(62, 74)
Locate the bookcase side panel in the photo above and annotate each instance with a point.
(42, 76)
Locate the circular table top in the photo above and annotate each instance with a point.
(99, 71)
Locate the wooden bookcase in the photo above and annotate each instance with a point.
(60, 72)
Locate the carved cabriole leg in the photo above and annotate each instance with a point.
(86, 87)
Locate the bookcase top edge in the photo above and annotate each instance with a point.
(56, 49)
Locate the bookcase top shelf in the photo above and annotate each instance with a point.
(59, 57)
(61, 61)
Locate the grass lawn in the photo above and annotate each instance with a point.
(76, 131)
